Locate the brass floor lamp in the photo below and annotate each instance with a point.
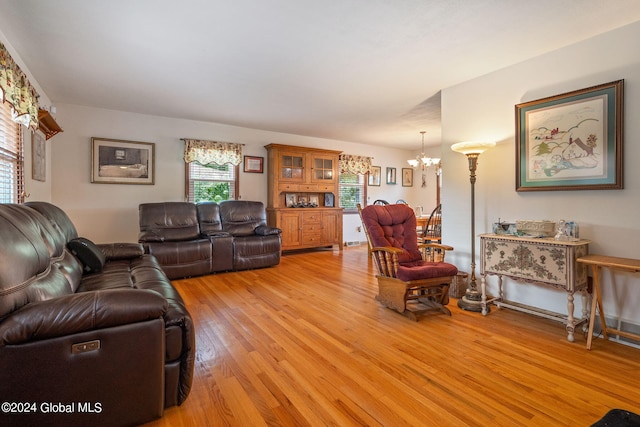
(472, 299)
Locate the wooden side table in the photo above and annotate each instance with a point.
(597, 263)
(541, 261)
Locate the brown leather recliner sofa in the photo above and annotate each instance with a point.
(89, 334)
(195, 239)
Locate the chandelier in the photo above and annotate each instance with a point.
(423, 160)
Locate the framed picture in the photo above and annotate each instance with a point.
(290, 200)
(571, 141)
(391, 176)
(374, 176)
(253, 164)
(39, 157)
(328, 200)
(114, 161)
(313, 200)
(407, 177)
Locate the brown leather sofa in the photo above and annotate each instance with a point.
(89, 334)
(194, 239)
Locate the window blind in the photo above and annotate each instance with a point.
(212, 182)
(11, 158)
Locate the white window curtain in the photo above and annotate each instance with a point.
(206, 152)
(355, 164)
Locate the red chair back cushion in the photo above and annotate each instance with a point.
(393, 225)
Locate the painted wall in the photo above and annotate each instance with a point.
(483, 108)
(109, 213)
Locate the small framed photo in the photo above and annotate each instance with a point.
(39, 154)
(407, 177)
(313, 200)
(374, 176)
(115, 161)
(391, 176)
(328, 200)
(290, 200)
(253, 164)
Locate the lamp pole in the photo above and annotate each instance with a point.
(472, 299)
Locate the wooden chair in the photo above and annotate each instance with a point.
(380, 202)
(432, 231)
(412, 278)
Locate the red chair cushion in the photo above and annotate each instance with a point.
(393, 225)
(425, 270)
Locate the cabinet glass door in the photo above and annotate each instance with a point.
(292, 167)
(322, 169)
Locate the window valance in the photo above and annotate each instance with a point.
(355, 164)
(17, 91)
(205, 152)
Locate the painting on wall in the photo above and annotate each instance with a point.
(253, 164)
(407, 177)
(374, 176)
(115, 161)
(571, 141)
(391, 176)
(39, 157)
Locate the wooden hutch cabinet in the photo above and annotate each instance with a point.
(303, 196)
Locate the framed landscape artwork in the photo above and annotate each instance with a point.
(571, 141)
(115, 161)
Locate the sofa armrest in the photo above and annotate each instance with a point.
(114, 251)
(149, 236)
(80, 312)
(265, 230)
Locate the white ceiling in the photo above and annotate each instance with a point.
(356, 70)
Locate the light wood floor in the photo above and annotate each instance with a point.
(305, 343)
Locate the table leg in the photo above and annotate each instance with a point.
(483, 288)
(585, 309)
(570, 320)
(596, 302)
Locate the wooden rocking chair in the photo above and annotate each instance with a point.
(412, 278)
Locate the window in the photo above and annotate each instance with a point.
(11, 158)
(211, 183)
(352, 191)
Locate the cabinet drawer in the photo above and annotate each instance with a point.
(311, 237)
(308, 187)
(288, 187)
(528, 261)
(327, 188)
(309, 218)
(314, 227)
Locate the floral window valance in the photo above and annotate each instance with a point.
(17, 91)
(205, 152)
(355, 164)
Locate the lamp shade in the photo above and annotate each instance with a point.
(472, 147)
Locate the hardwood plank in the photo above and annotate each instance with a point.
(305, 343)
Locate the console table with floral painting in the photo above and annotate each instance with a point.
(541, 261)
